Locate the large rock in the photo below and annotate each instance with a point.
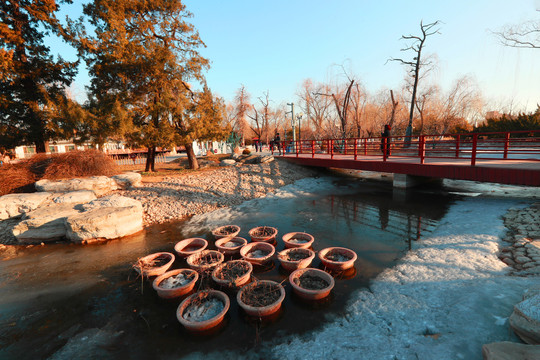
(75, 197)
(45, 224)
(128, 180)
(106, 218)
(510, 351)
(100, 185)
(525, 320)
(227, 162)
(16, 204)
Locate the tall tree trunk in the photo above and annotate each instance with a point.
(192, 159)
(41, 146)
(150, 159)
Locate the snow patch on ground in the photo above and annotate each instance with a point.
(444, 300)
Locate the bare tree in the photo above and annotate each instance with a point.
(524, 35)
(261, 117)
(316, 106)
(358, 101)
(416, 45)
(241, 106)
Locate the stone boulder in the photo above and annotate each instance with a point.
(74, 197)
(510, 351)
(100, 185)
(525, 319)
(109, 217)
(227, 162)
(45, 224)
(12, 205)
(128, 180)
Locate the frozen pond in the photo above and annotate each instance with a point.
(89, 294)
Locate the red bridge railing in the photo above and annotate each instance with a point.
(512, 145)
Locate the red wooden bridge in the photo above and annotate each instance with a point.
(500, 157)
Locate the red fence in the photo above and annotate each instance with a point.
(513, 145)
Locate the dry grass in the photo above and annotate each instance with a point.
(20, 177)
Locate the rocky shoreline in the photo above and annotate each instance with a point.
(175, 198)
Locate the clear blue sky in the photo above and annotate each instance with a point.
(275, 45)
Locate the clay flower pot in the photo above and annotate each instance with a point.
(337, 258)
(226, 231)
(261, 298)
(232, 274)
(154, 264)
(263, 234)
(205, 259)
(175, 283)
(203, 310)
(296, 258)
(190, 246)
(311, 284)
(230, 246)
(298, 240)
(257, 253)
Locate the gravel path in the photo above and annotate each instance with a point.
(198, 193)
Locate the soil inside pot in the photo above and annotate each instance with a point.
(226, 230)
(203, 308)
(257, 254)
(232, 271)
(311, 282)
(177, 280)
(207, 259)
(294, 256)
(263, 231)
(336, 256)
(261, 294)
(158, 261)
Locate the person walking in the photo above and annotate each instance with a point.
(277, 142)
(385, 140)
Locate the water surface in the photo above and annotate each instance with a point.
(50, 294)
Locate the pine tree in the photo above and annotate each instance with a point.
(32, 82)
(143, 56)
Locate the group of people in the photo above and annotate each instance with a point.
(275, 144)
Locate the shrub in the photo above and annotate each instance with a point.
(20, 177)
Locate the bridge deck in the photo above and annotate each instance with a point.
(505, 171)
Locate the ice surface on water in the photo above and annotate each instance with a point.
(450, 286)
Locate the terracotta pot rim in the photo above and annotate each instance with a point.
(286, 239)
(264, 245)
(260, 309)
(323, 252)
(228, 282)
(158, 280)
(192, 257)
(229, 250)
(263, 238)
(206, 324)
(179, 249)
(155, 271)
(285, 251)
(219, 236)
(300, 272)
(177, 291)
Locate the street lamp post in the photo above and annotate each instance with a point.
(292, 123)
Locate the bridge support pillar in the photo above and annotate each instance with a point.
(403, 181)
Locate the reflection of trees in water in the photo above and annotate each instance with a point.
(382, 217)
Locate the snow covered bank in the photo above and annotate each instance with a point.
(445, 299)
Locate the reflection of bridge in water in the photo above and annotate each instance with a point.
(408, 226)
(506, 157)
